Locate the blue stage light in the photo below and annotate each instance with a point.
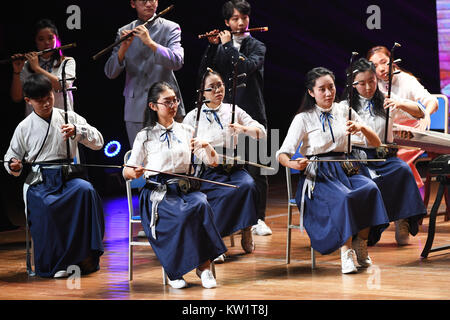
(112, 149)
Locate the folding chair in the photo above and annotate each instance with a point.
(291, 204)
(134, 219)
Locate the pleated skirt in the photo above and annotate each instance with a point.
(186, 235)
(398, 188)
(233, 209)
(340, 207)
(66, 222)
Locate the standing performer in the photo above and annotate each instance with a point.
(405, 86)
(151, 55)
(65, 212)
(222, 52)
(394, 178)
(234, 209)
(179, 225)
(49, 64)
(337, 205)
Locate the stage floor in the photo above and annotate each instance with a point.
(398, 273)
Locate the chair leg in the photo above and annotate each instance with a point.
(164, 274)
(288, 240)
(130, 262)
(213, 268)
(313, 259)
(232, 240)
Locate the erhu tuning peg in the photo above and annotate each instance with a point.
(397, 60)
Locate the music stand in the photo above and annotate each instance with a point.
(444, 182)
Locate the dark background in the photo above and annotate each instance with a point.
(302, 35)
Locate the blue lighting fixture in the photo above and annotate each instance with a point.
(112, 149)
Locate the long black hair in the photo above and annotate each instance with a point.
(150, 116)
(363, 65)
(308, 101)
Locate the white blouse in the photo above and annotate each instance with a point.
(31, 134)
(378, 123)
(213, 124)
(406, 86)
(164, 149)
(312, 129)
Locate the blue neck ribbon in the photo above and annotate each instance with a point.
(369, 108)
(326, 116)
(216, 117)
(165, 137)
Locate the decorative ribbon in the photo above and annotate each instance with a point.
(326, 116)
(165, 137)
(216, 117)
(369, 108)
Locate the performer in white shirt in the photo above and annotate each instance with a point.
(65, 212)
(234, 209)
(394, 178)
(179, 225)
(335, 205)
(405, 86)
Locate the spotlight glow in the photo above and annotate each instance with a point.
(112, 149)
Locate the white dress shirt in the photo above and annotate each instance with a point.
(308, 127)
(214, 129)
(164, 149)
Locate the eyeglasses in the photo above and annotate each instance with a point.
(144, 2)
(169, 104)
(216, 86)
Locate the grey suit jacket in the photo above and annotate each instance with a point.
(145, 67)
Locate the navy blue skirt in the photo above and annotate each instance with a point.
(398, 188)
(186, 236)
(340, 207)
(66, 222)
(234, 209)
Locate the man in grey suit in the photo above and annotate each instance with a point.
(152, 54)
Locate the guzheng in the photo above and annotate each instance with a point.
(430, 141)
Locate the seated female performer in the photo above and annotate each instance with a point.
(179, 225)
(234, 209)
(65, 213)
(394, 177)
(337, 204)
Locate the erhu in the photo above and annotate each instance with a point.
(228, 167)
(349, 167)
(388, 151)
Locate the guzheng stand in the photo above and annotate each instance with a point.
(444, 182)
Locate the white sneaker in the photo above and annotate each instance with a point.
(402, 232)
(61, 274)
(261, 229)
(141, 234)
(247, 242)
(178, 283)
(220, 259)
(348, 262)
(362, 256)
(208, 280)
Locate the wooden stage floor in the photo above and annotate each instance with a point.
(398, 273)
